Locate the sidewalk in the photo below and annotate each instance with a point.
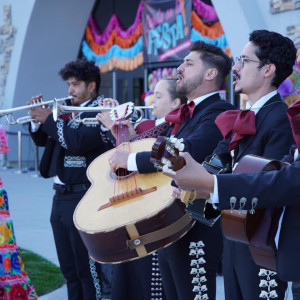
(30, 200)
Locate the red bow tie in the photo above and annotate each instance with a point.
(293, 113)
(240, 122)
(177, 116)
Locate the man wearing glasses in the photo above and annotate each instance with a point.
(262, 129)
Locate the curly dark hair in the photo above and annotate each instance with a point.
(82, 69)
(213, 57)
(274, 48)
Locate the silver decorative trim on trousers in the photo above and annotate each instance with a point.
(198, 270)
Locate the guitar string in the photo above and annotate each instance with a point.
(123, 136)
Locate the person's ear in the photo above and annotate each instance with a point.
(176, 103)
(92, 87)
(211, 74)
(270, 70)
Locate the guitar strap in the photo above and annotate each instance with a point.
(153, 132)
(140, 241)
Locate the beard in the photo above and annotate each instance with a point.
(188, 86)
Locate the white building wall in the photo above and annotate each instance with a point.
(240, 17)
(49, 33)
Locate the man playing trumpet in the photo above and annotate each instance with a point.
(69, 149)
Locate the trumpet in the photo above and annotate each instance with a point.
(26, 119)
(59, 109)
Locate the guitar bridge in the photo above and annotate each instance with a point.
(134, 193)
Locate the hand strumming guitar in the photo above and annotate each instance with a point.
(118, 159)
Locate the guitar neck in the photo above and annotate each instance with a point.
(122, 135)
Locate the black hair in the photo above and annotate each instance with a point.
(82, 69)
(213, 57)
(274, 48)
(173, 92)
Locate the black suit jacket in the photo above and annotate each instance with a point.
(272, 140)
(272, 189)
(273, 136)
(69, 147)
(200, 133)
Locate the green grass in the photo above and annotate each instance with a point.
(44, 275)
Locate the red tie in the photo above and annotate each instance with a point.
(240, 122)
(66, 117)
(293, 113)
(177, 116)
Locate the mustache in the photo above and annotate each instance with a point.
(179, 73)
(236, 75)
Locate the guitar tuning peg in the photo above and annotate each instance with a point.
(158, 167)
(166, 169)
(179, 145)
(170, 149)
(112, 115)
(166, 162)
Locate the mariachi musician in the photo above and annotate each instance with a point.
(262, 129)
(69, 149)
(140, 279)
(199, 78)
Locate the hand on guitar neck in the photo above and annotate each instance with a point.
(181, 167)
(165, 154)
(116, 125)
(104, 116)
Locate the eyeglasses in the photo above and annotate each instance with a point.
(241, 60)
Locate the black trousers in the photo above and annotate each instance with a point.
(243, 279)
(139, 279)
(189, 266)
(296, 290)
(84, 277)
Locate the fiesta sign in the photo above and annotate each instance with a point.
(166, 29)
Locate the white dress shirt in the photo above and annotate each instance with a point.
(215, 195)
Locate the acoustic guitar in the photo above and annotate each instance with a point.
(126, 215)
(256, 228)
(166, 154)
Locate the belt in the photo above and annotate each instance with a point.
(70, 188)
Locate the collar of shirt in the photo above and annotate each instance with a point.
(261, 102)
(159, 121)
(201, 98)
(85, 103)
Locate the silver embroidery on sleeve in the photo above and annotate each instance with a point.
(73, 124)
(197, 263)
(60, 125)
(268, 284)
(75, 162)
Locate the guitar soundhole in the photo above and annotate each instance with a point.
(121, 174)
